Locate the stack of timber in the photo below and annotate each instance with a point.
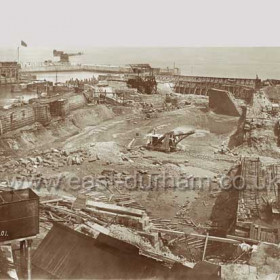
(257, 233)
(78, 211)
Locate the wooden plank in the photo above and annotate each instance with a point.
(252, 229)
(80, 216)
(211, 238)
(51, 201)
(205, 247)
(2, 199)
(255, 234)
(115, 208)
(17, 240)
(241, 239)
(259, 233)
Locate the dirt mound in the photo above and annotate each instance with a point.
(91, 116)
(37, 135)
(122, 110)
(272, 92)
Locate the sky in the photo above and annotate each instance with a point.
(89, 23)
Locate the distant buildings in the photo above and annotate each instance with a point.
(9, 72)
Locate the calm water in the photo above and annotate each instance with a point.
(64, 76)
(7, 97)
(225, 62)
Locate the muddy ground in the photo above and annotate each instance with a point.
(187, 209)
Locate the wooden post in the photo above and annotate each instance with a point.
(205, 246)
(22, 246)
(29, 243)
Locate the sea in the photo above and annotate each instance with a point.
(236, 62)
(231, 62)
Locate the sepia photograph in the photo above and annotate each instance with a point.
(140, 139)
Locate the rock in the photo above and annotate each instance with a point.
(92, 158)
(65, 153)
(24, 161)
(32, 160)
(47, 162)
(48, 156)
(69, 160)
(39, 159)
(142, 171)
(78, 160)
(108, 172)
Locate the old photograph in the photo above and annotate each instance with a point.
(139, 140)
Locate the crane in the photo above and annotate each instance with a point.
(167, 142)
(64, 57)
(143, 79)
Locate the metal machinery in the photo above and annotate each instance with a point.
(166, 142)
(19, 222)
(64, 57)
(144, 80)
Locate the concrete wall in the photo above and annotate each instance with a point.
(222, 102)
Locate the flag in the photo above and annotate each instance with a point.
(23, 44)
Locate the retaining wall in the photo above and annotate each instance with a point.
(18, 117)
(15, 118)
(222, 102)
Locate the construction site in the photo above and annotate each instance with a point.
(139, 173)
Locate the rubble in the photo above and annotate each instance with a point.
(120, 194)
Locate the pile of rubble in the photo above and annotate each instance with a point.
(90, 217)
(56, 158)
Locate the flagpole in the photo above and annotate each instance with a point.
(18, 54)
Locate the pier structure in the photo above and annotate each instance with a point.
(241, 88)
(97, 68)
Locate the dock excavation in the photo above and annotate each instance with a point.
(137, 170)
